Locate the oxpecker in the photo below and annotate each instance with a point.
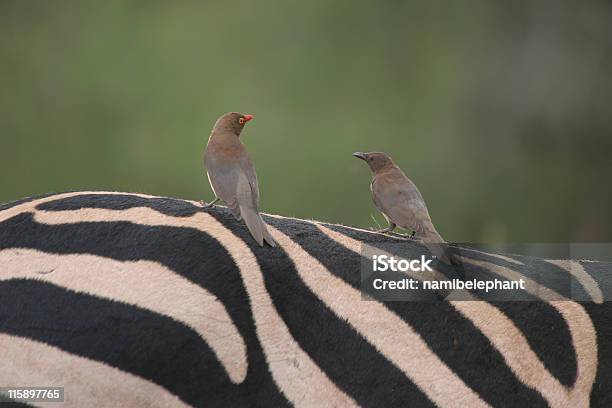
(232, 175)
(401, 203)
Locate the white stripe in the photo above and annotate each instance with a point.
(387, 332)
(582, 332)
(298, 377)
(500, 256)
(30, 205)
(531, 286)
(512, 344)
(514, 347)
(87, 383)
(589, 284)
(145, 284)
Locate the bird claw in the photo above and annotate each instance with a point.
(209, 205)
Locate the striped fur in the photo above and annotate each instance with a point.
(135, 300)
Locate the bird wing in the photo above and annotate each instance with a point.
(251, 176)
(401, 201)
(233, 179)
(248, 200)
(223, 179)
(377, 203)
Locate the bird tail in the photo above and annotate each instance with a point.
(434, 242)
(256, 225)
(236, 213)
(438, 247)
(439, 251)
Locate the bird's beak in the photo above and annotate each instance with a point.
(247, 118)
(360, 155)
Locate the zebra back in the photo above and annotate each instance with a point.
(137, 300)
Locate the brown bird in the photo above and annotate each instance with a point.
(232, 175)
(401, 203)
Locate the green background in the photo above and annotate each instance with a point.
(499, 111)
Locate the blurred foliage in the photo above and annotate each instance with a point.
(499, 111)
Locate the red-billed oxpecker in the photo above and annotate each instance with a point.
(232, 175)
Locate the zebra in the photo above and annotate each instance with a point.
(130, 300)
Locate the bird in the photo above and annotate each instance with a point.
(401, 203)
(232, 175)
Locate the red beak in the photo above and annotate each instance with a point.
(248, 117)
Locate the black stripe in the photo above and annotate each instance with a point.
(540, 337)
(132, 339)
(352, 363)
(544, 328)
(189, 252)
(601, 272)
(168, 206)
(452, 337)
(544, 273)
(16, 405)
(601, 315)
(547, 334)
(15, 203)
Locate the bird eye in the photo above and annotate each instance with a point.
(241, 121)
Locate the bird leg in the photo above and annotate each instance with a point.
(211, 204)
(414, 237)
(389, 228)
